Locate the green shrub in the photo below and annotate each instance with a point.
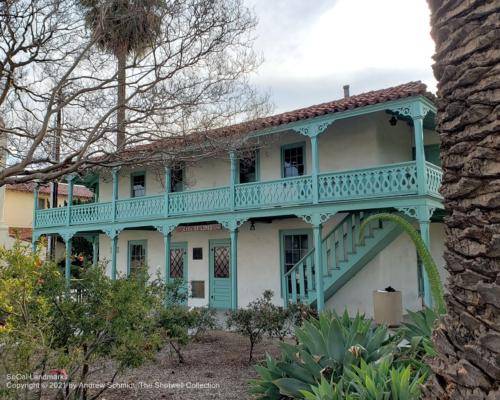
(175, 321)
(204, 320)
(46, 327)
(259, 318)
(325, 348)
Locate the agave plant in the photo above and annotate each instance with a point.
(435, 283)
(326, 390)
(415, 339)
(381, 381)
(326, 347)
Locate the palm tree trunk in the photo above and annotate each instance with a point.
(120, 114)
(467, 36)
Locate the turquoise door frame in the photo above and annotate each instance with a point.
(220, 292)
(287, 232)
(131, 243)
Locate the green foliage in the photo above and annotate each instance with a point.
(45, 326)
(204, 321)
(259, 318)
(380, 381)
(326, 390)
(179, 325)
(436, 285)
(416, 339)
(176, 321)
(326, 347)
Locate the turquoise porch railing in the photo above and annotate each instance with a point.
(434, 175)
(369, 182)
(287, 191)
(381, 181)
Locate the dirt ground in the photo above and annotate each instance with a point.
(215, 368)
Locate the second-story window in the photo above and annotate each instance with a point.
(248, 167)
(293, 160)
(42, 203)
(177, 178)
(138, 184)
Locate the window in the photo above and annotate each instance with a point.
(177, 178)
(138, 184)
(294, 246)
(293, 160)
(248, 167)
(197, 253)
(136, 255)
(42, 204)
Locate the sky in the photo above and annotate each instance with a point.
(311, 48)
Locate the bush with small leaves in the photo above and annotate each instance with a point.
(204, 320)
(259, 318)
(47, 326)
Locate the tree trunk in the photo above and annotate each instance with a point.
(120, 114)
(467, 36)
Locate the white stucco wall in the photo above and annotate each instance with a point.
(259, 263)
(395, 266)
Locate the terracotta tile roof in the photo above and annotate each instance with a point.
(355, 101)
(21, 233)
(78, 191)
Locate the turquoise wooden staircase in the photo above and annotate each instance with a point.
(344, 254)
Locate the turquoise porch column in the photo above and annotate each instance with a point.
(425, 234)
(69, 179)
(315, 168)
(67, 264)
(232, 179)
(168, 186)
(234, 267)
(423, 212)
(114, 197)
(114, 245)
(167, 241)
(36, 190)
(418, 131)
(318, 266)
(68, 241)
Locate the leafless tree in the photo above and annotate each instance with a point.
(190, 76)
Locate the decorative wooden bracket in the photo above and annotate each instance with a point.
(233, 223)
(421, 213)
(112, 233)
(66, 235)
(316, 218)
(313, 129)
(166, 229)
(414, 109)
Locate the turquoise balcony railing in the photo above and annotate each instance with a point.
(377, 182)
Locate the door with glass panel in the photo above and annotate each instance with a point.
(294, 246)
(137, 255)
(220, 279)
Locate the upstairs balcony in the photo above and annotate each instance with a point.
(386, 181)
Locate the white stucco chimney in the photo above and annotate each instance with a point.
(346, 91)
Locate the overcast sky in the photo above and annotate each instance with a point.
(311, 48)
